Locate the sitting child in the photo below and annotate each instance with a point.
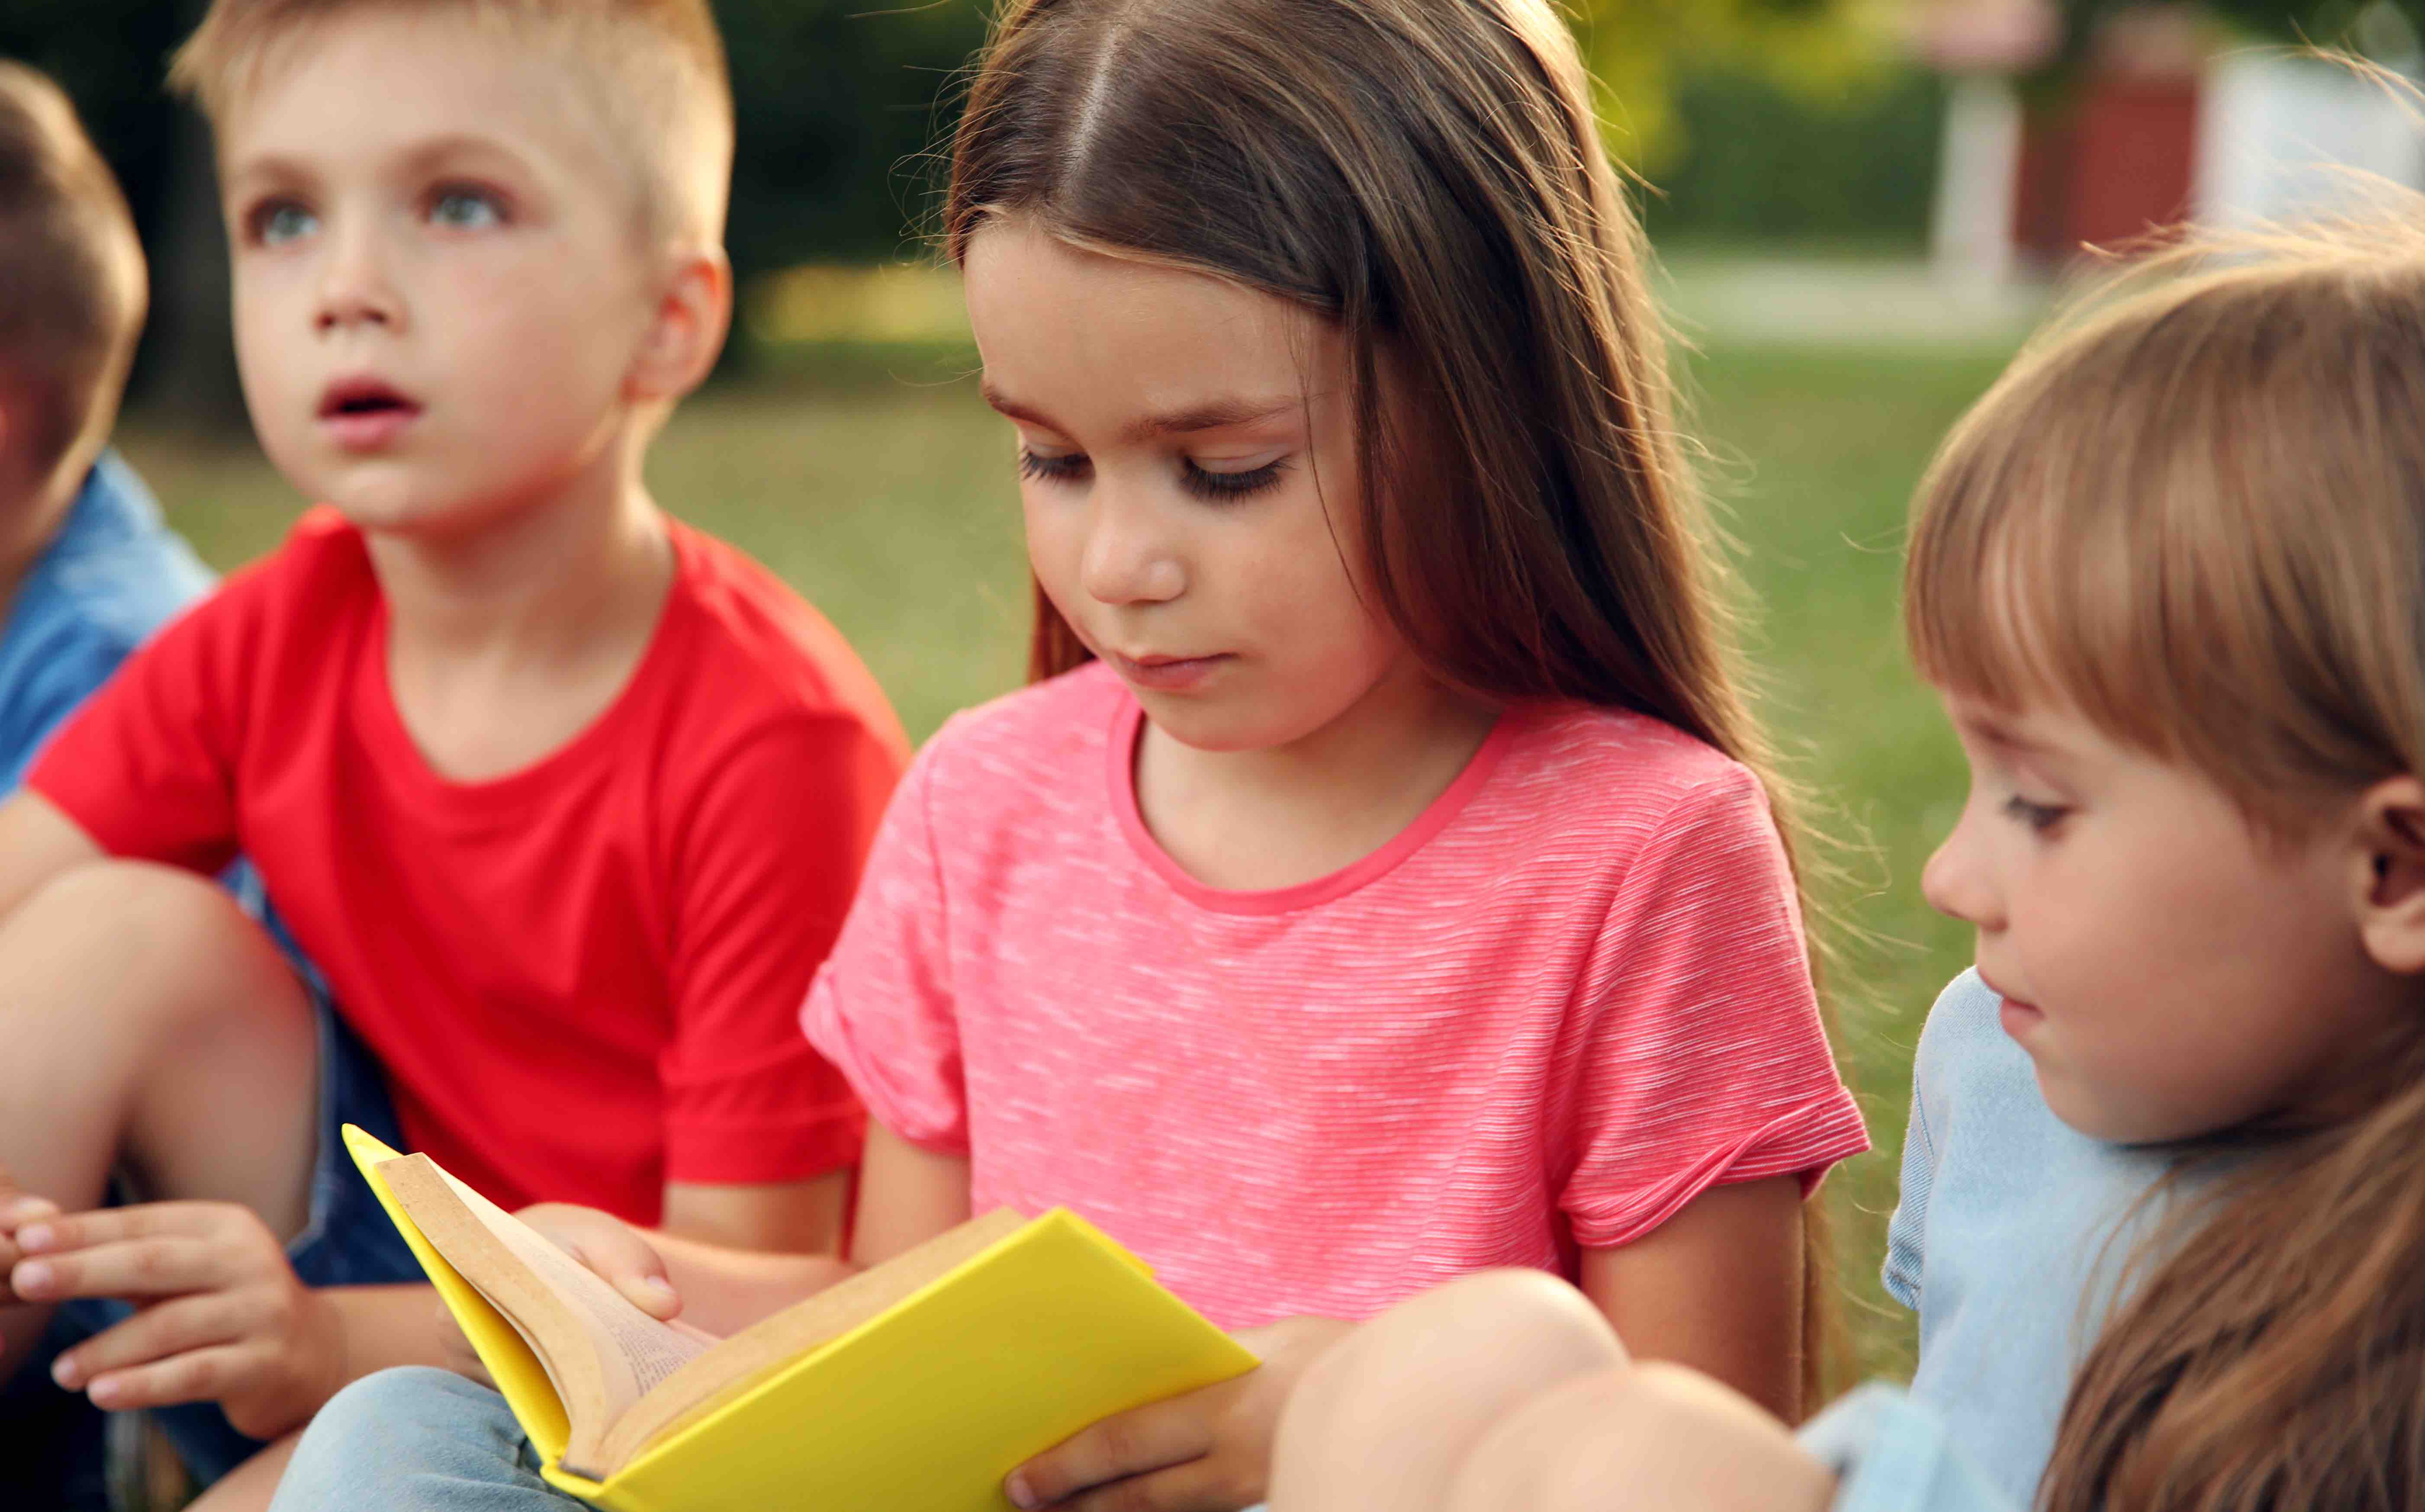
(1378, 883)
(560, 803)
(2169, 577)
(87, 571)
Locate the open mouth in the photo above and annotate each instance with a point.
(363, 397)
(366, 413)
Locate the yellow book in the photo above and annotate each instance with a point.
(914, 1386)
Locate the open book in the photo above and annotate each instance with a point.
(915, 1385)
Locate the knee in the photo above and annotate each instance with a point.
(1482, 1335)
(1414, 1385)
(390, 1429)
(1655, 1435)
(140, 905)
(135, 923)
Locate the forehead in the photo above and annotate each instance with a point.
(1066, 325)
(376, 81)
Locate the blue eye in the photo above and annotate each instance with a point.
(275, 222)
(466, 209)
(2040, 817)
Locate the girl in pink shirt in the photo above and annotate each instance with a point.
(1378, 883)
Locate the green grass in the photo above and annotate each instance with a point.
(880, 486)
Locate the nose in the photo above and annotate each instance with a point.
(1131, 556)
(1958, 882)
(355, 289)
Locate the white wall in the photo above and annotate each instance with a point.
(2275, 134)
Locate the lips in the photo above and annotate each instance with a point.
(1167, 674)
(366, 413)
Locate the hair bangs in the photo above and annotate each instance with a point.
(2019, 585)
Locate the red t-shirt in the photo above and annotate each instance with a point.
(583, 977)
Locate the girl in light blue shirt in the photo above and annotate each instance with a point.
(2165, 1191)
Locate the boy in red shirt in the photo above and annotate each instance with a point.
(559, 802)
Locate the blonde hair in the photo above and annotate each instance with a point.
(73, 286)
(655, 70)
(2197, 516)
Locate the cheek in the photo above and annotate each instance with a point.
(1055, 540)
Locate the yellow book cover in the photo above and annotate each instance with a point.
(914, 1387)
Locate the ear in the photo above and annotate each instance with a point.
(693, 316)
(2389, 857)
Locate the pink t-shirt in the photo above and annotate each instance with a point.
(1568, 998)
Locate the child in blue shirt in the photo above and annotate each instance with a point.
(2165, 1192)
(87, 569)
(111, 574)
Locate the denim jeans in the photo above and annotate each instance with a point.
(416, 1439)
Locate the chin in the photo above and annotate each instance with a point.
(1206, 726)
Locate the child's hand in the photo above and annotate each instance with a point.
(1208, 1450)
(612, 1249)
(16, 1211)
(224, 1317)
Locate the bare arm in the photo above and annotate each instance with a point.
(907, 1196)
(36, 843)
(787, 1217)
(725, 1283)
(1717, 1287)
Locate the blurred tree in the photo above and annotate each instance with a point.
(1641, 52)
(1755, 163)
(2384, 29)
(837, 104)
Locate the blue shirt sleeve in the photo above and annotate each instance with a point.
(1906, 1232)
(66, 670)
(1891, 1453)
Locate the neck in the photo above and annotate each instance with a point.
(532, 580)
(1284, 814)
(1405, 724)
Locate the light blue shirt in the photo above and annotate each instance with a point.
(2006, 1240)
(109, 578)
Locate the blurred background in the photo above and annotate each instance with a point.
(1859, 206)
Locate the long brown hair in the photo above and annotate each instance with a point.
(1427, 174)
(2199, 516)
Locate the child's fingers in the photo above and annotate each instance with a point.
(130, 1268)
(158, 1332)
(1199, 1486)
(196, 1376)
(609, 1248)
(18, 1209)
(166, 1220)
(1133, 1443)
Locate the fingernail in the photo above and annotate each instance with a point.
(63, 1370)
(37, 1237)
(1022, 1494)
(104, 1391)
(25, 1208)
(658, 1284)
(33, 1275)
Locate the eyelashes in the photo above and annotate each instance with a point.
(1074, 467)
(2039, 817)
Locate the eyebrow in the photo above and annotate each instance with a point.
(1217, 415)
(421, 158)
(1996, 732)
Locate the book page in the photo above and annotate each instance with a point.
(651, 1349)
